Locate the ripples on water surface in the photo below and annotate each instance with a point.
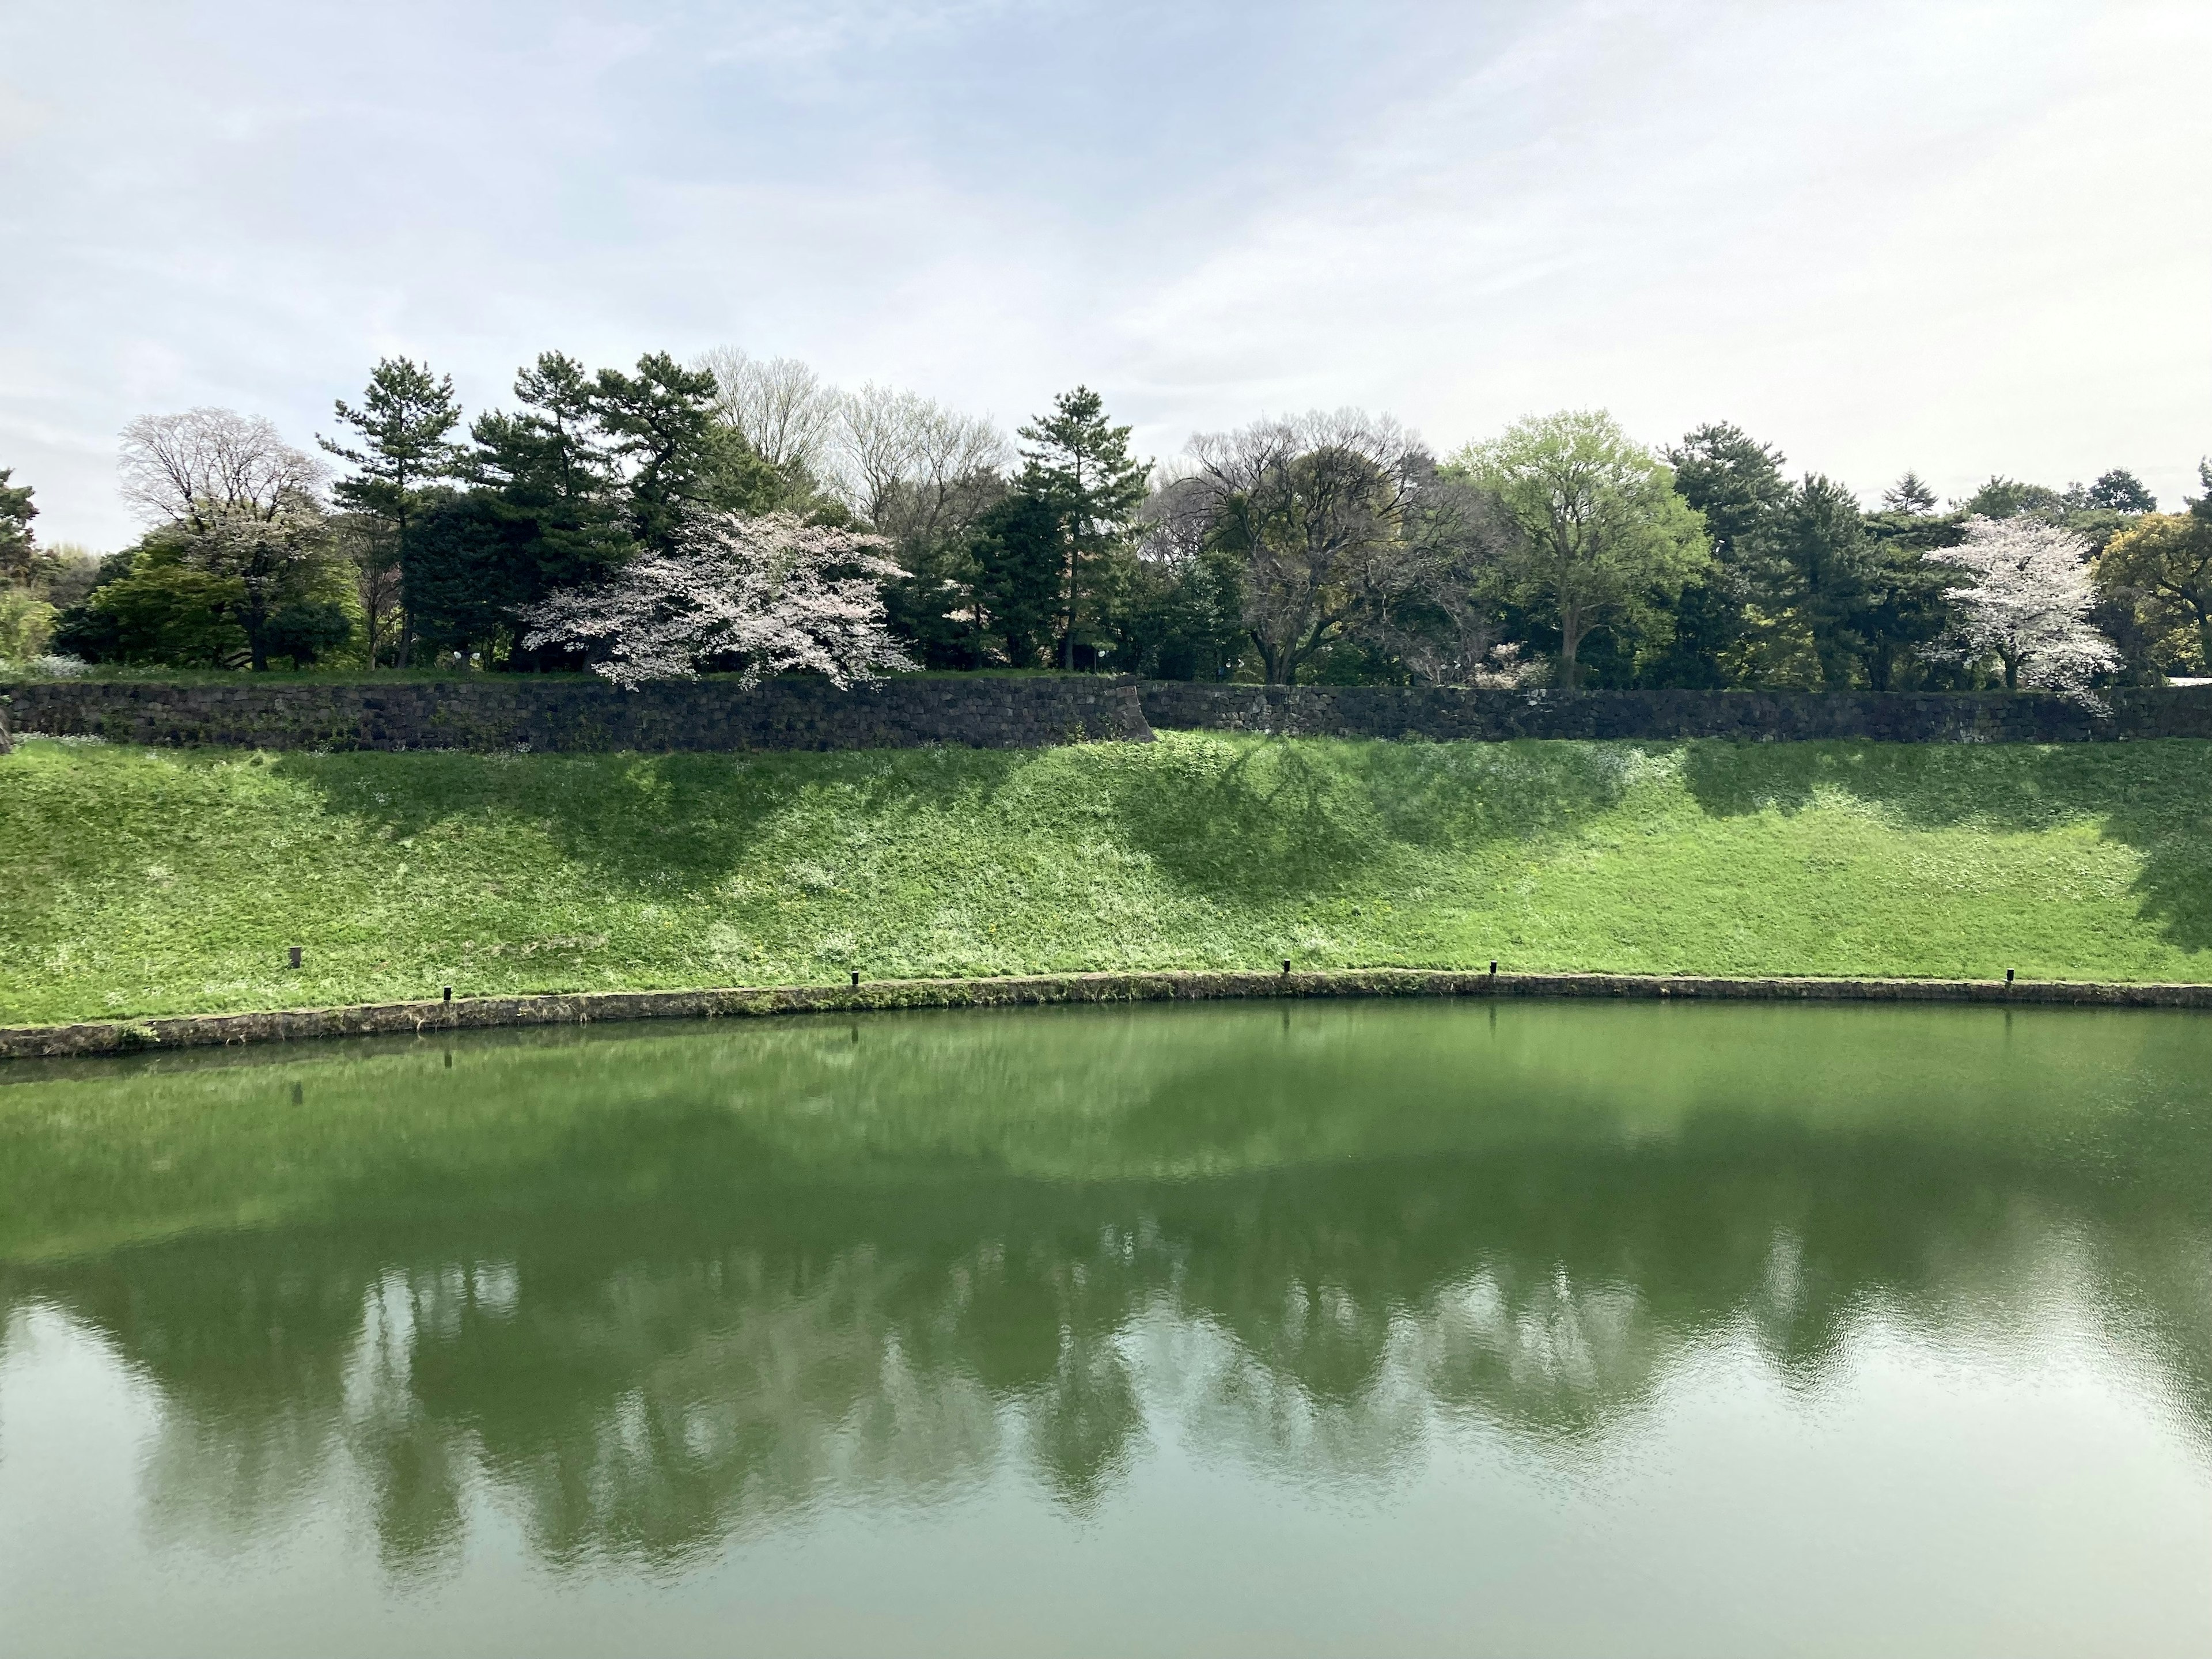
(1366, 1328)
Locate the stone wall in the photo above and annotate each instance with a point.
(1374, 711)
(1025, 712)
(501, 712)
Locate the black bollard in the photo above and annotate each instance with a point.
(856, 978)
(1493, 971)
(449, 993)
(2007, 975)
(1286, 965)
(295, 956)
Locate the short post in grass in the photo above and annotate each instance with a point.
(295, 956)
(2007, 975)
(1493, 971)
(856, 978)
(449, 993)
(1287, 967)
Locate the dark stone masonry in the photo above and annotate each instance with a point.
(1380, 711)
(502, 712)
(988, 711)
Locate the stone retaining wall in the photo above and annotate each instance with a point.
(1376, 711)
(477, 1013)
(990, 711)
(494, 712)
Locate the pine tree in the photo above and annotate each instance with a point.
(406, 418)
(17, 546)
(1080, 465)
(1909, 495)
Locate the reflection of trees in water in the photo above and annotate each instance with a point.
(645, 1382)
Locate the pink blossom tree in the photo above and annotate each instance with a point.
(772, 592)
(2026, 602)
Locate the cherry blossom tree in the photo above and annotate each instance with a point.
(2026, 602)
(771, 593)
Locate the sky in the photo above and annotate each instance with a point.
(1961, 238)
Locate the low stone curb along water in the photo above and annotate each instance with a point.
(588, 1007)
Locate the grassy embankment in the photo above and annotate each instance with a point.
(140, 882)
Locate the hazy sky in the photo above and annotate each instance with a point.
(1963, 238)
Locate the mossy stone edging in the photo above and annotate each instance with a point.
(583, 1008)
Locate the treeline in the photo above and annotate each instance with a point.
(735, 514)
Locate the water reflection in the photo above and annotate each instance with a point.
(661, 1290)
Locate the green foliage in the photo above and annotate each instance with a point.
(17, 545)
(149, 882)
(27, 623)
(1020, 550)
(1909, 498)
(1819, 569)
(1079, 464)
(676, 453)
(161, 602)
(1184, 619)
(405, 420)
(164, 610)
(2004, 498)
(2117, 491)
(1735, 483)
(468, 565)
(2162, 569)
(1605, 537)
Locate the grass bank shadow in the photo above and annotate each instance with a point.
(653, 823)
(1262, 817)
(2155, 798)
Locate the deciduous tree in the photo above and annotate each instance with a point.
(1346, 531)
(244, 506)
(2163, 566)
(788, 413)
(762, 595)
(2026, 601)
(1604, 532)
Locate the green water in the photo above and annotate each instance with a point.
(1365, 1328)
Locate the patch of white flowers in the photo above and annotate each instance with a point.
(2027, 602)
(771, 593)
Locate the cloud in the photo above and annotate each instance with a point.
(1953, 236)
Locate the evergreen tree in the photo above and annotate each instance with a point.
(1910, 495)
(545, 471)
(1910, 607)
(1735, 482)
(1079, 465)
(17, 546)
(2004, 498)
(1817, 570)
(676, 453)
(1018, 548)
(2118, 491)
(405, 420)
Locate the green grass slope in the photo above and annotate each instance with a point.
(136, 883)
